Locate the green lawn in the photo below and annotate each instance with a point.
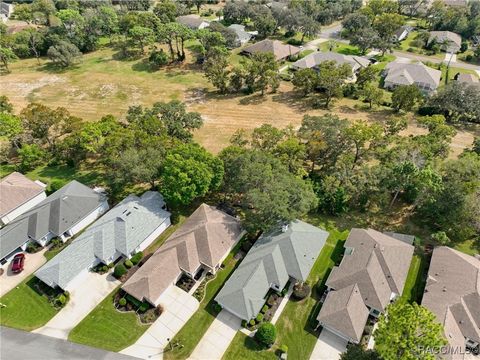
(297, 322)
(245, 348)
(415, 282)
(341, 48)
(25, 308)
(107, 328)
(192, 332)
(469, 247)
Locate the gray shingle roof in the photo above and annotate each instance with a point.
(345, 311)
(452, 293)
(120, 231)
(277, 48)
(274, 258)
(192, 21)
(379, 264)
(204, 238)
(15, 190)
(409, 74)
(314, 59)
(57, 213)
(454, 40)
(242, 35)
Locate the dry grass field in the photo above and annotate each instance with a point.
(102, 85)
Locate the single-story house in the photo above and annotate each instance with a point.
(242, 35)
(452, 293)
(18, 194)
(199, 246)
(402, 33)
(6, 10)
(424, 77)
(280, 50)
(126, 229)
(192, 21)
(452, 41)
(62, 214)
(288, 252)
(313, 60)
(370, 276)
(470, 79)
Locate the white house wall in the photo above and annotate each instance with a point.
(23, 208)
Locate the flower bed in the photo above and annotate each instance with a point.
(146, 313)
(200, 291)
(185, 283)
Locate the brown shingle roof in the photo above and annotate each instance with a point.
(15, 190)
(452, 293)
(277, 48)
(205, 237)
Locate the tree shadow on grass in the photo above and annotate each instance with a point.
(294, 100)
(254, 99)
(51, 68)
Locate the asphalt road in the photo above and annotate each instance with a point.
(21, 345)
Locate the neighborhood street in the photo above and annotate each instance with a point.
(21, 345)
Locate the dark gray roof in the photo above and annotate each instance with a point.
(57, 213)
(120, 231)
(275, 257)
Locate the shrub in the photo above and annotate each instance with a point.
(111, 265)
(119, 271)
(217, 308)
(252, 322)
(295, 42)
(284, 348)
(128, 264)
(158, 58)
(411, 49)
(104, 268)
(122, 302)
(61, 300)
(264, 309)
(33, 247)
(441, 238)
(301, 291)
(259, 318)
(244, 323)
(55, 185)
(266, 334)
(246, 245)
(272, 299)
(136, 258)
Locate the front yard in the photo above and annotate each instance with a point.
(107, 328)
(296, 325)
(25, 308)
(192, 332)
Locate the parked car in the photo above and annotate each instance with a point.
(18, 263)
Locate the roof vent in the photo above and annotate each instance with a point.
(284, 227)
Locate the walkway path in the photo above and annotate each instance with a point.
(32, 262)
(83, 299)
(218, 337)
(178, 308)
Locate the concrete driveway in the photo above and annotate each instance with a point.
(83, 299)
(178, 308)
(32, 262)
(329, 346)
(217, 338)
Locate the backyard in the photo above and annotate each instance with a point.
(25, 308)
(296, 325)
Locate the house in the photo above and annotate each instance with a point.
(371, 274)
(286, 253)
(277, 48)
(126, 229)
(452, 293)
(470, 79)
(424, 77)
(199, 246)
(242, 35)
(6, 10)
(17, 195)
(450, 40)
(194, 22)
(313, 60)
(62, 214)
(402, 33)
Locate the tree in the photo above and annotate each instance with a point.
(47, 125)
(189, 171)
(216, 69)
(6, 57)
(407, 331)
(364, 39)
(178, 122)
(386, 25)
(158, 58)
(356, 352)
(11, 128)
(23, 12)
(64, 54)
(305, 80)
(266, 137)
(165, 10)
(31, 156)
(266, 334)
(140, 37)
(354, 23)
(405, 97)
(261, 72)
(44, 9)
(5, 105)
(440, 237)
(372, 94)
(367, 74)
(331, 78)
